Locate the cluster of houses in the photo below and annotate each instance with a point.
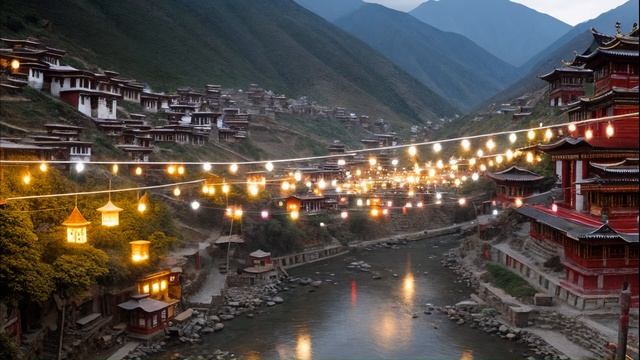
(592, 226)
(190, 116)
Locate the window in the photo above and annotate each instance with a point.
(142, 323)
(163, 315)
(154, 323)
(73, 82)
(616, 252)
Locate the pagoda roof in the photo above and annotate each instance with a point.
(259, 269)
(626, 166)
(573, 69)
(109, 207)
(306, 197)
(76, 219)
(260, 254)
(605, 232)
(575, 225)
(145, 304)
(515, 173)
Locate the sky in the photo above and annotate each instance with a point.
(572, 12)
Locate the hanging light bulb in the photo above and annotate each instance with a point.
(138, 171)
(206, 166)
(437, 147)
(79, 167)
(472, 161)
(171, 169)
(531, 134)
(373, 161)
(509, 154)
(412, 150)
(176, 191)
(285, 186)
(114, 169)
(588, 134)
(297, 176)
(475, 176)
(342, 162)
(269, 166)
(548, 134)
(499, 159)
(394, 162)
(181, 170)
(344, 215)
(205, 189)
(438, 196)
(518, 202)
(322, 184)
(294, 214)
(195, 205)
(432, 172)
(513, 137)
(465, 144)
(554, 207)
(480, 153)
(529, 157)
(233, 168)
(26, 178)
(308, 184)
(439, 164)
(43, 167)
(264, 214)
(359, 202)
(225, 188)
(483, 167)
(609, 130)
(491, 144)
(572, 127)
(462, 201)
(142, 203)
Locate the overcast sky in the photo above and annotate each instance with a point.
(570, 11)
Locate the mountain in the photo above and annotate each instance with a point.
(565, 48)
(275, 43)
(331, 10)
(510, 31)
(450, 64)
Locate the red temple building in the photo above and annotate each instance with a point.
(514, 183)
(566, 84)
(594, 228)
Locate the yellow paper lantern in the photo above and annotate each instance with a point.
(76, 226)
(110, 214)
(139, 250)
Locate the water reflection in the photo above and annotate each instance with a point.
(303, 346)
(354, 293)
(408, 288)
(466, 355)
(392, 331)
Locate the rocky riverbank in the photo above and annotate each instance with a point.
(487, 319)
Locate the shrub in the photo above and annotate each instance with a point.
(510, 282)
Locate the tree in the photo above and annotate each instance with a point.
(79, 268)
(23, 275)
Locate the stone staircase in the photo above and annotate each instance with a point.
(539, 251)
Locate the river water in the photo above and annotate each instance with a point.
(362, 318)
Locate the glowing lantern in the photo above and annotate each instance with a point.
(554, 207)
(529, 157)
(341, 162)
(572, 127)
(269, 166)
(297, 176)
(76, 226)
(465, 144)
(373, 161)
(180, 170)
(26, 179)
(171, 169)
(139, 250)
(114, 169)
(548, 134)
(79, 167)
(344, 215)
(195, 205)
(206, 167)
(110, 214)
(609, 130)
(412, 151)
(490, 144)
(462, 201)
(43, 167)
(233, 168)
(394, 162)
(15, 64)
(513, 137)
(437, 147)
(475, 176)
(518, 202)
(176, 191)
(264, 214)
(531, 134)
(480, 153)
(138, 171)
(294, 214)
(499, 159)
(143, 203)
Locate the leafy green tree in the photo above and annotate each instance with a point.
(22, 272)
(80, 268)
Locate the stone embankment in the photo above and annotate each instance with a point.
(486, 320)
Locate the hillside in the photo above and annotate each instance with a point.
(510, 31)
(275, 43)
(331, 10)
(450, 64)
(565, 48)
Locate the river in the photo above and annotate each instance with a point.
(361, 318)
